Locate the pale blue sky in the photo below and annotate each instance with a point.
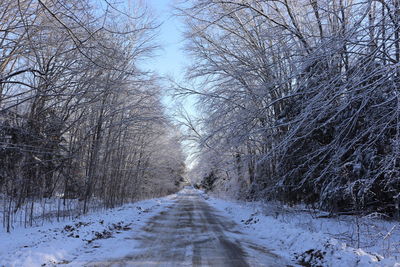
(171, 58)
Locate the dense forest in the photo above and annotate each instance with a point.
(299, 100)
(80, 121)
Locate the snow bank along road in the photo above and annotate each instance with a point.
(191, 233)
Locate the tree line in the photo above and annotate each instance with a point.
(79, 118)
(298, 99)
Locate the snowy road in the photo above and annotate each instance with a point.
(191, 233)
(191, 228)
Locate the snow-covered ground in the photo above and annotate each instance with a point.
(311, 241)
(106, 234)
(297, 236)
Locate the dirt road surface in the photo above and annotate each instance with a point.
(192, 233)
